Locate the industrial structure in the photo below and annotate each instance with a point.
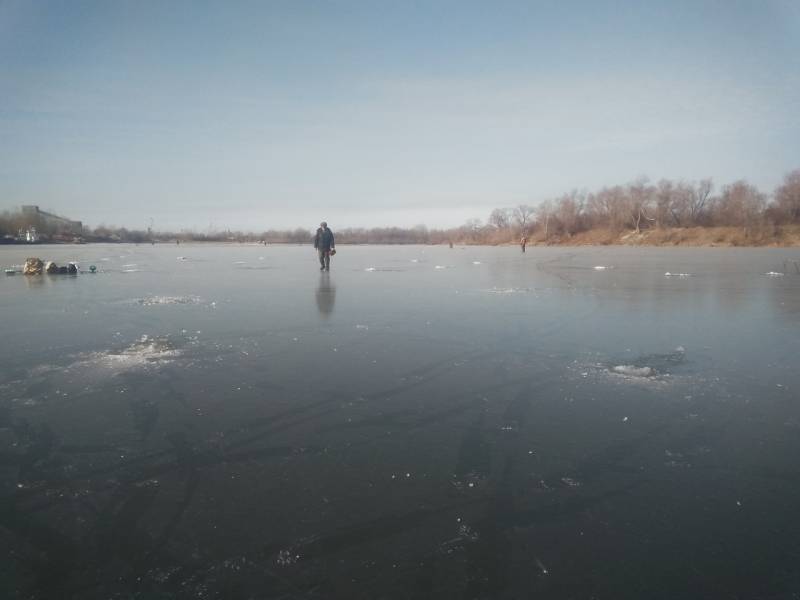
(42, 219)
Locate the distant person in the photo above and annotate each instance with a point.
(325, 245)
(523, 242)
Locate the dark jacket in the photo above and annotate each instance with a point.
(324, 239)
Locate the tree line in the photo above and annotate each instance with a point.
(633, 207)
(641, 205)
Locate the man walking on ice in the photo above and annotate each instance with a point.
(325, 245)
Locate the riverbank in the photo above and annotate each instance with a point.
(762, 236)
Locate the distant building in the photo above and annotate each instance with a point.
(61, 224)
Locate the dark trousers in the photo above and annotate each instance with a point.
(325, 259)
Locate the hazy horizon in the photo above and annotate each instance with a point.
(273, 116)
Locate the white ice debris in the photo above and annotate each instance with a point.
(668, 274)
(633, 371)
(600, 268)
(164, 300)
(370, 269)
(774, 274)
(476, 262)
(541, 566)
(440, 267)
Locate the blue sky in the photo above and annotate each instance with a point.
(279, 114)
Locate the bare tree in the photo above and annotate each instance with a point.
(787, 196)
(740, 204)
(500, 218)
(544, 213)
(639, 203)
(698, 199)
(569, 211)
(663, 202)
(522, 215)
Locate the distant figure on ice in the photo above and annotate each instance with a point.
(325, 245)
(523, 242)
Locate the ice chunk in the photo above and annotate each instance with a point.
(633, 371)
(600, 268)
(164, 300)
(774, 274)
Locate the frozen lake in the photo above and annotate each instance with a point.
(205, 421)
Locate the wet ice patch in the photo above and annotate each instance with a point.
(286, 558)
(646, 368)
(651, 366)
(464, 535)
(468, 481)
(88, 369)
(146, 351)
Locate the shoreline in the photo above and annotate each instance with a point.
(764, 236)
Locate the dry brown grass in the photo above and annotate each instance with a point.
(761, 235)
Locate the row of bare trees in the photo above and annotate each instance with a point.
(640, 205)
